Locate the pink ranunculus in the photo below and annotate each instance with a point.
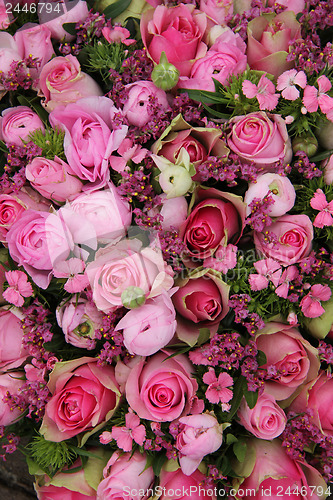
(12, 350)
(266, 420)
(100, 208)
(278, 187)
(89, 137)
(174, 485)
(61, 82)
(161, 389)
(291, 360)
(260, 137)
(268, 470)
(149, 327)
(17, 123)
(217, 10)
(79, 318)
(117, 267)
(10, 382)
(173, 211)
(63, 12)
(53, 179)
(137, 108)
(198, 436)
(291, 242)
(269, 38)
(125, 476)
(35, 40)
(84, 397)
(177, 31)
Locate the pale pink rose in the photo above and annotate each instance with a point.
(117, 34)
(89, 137)
(63, 12)
(79, 318)
(137, 108)
(123, 474)
(268, 470)
(279, 188)
(101, 207)
(35, 40)
(176, 486)
(84, 397)
(9, 52)
(161, 389)
(61, 82)
(12, 350)
(266, 420)
(268, 42)
(17, 123)
(217, 10)
(177, 31)
(53, 179)
(10, 382)
(198, 436)
(293, 235)
(295, 5)
(291, 360)
(173, 211)
(117, 267)
(149, 327)
(260, 137)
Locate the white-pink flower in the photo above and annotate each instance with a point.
(133, 431)
(287, 82)
(19, 288)
(264, 92)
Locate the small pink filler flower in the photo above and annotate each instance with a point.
(133, 431)
(19, 288)
(218, 391)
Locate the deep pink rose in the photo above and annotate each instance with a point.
(260, 137)
(266, 420)
(117, 267)
(198, 436)
(53, 179)
(177, 31)
(35, 40)
(137, 108)
(269, 472)
(125, 476)
(60, 493)
(89, 137)
(161, 389)
(269, 39)
(279, 188)
(61, 82)
(17, 123)
(12, 351)
(291, 359)
(294, 235)
(63, 12)
(10, 382)
(176, 486)
(84, 397)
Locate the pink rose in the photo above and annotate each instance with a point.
(266, 420)
(150, 327)
(63, 12)
(84, 397)
(12, 351)
(138, 107)
(79, 318)
(176, 486)
(161, 389)
(217, 10)
(17, 123)
(125, 476)
(292, 239)
(268, 470)
(291, 360)
(173, 211)
(260, 137)
(9, 382)
(279, 188)
(177, 31)
(35, 40)
(117, 267)
(89, 137)
(269, 38)
(61, 493)
(5, 20)
(295, 5)
(198, 436)
(53, 179)
(61, 82)
(9, 52)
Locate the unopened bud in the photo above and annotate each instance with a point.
(308, 144)
(165, 75)
(133, 297)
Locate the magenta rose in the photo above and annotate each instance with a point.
(291, 360)
(161, 389)
(260, 137)
(177, 31)
(17, 123)
(12, 350)
(125, 476)
(138, 107)
(35, 40)
(278, 187)
(61, 82)
(10, 382)
(63, 12)
(84, 397)
(89, 137)
(269, 39)
(291, 242)
(174, 485)
(53, 179)
(266, 420)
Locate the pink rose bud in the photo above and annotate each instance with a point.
(266, 420)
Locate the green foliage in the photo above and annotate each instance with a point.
(51, 141)
(116, 8)
(51, 456)
(101, 57)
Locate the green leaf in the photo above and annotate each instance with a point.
(204, 334)
(158, 462)
(240, 386)
(116, 9)
(231, 439)
(3, 147)
(251, 398)
(261, 358)
(322, 156)
(70, 28)
(239, 450)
